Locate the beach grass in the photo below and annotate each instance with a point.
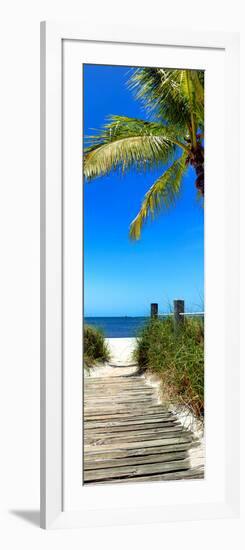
(95, 347)
(177, 357)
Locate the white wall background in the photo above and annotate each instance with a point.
(19, 271)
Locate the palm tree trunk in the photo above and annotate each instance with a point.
(198, 163)
(200, 179)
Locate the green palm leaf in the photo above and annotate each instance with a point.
(194, 91)
(124, 142)
(165, 93)
(162, 194)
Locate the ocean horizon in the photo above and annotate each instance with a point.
(118, 327)
(123, 326)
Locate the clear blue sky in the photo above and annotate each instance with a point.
(122, 277)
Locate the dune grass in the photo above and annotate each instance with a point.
(95, 347)
(177, 356)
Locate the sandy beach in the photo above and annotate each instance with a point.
(121, 359)
(121, 350)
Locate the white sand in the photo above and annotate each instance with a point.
(121, 359)
(121, 350)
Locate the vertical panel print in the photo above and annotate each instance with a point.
(144, 188)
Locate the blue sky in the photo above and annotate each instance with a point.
(122, 277)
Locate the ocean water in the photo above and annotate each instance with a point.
(118, 327)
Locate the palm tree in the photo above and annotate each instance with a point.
(172, 135)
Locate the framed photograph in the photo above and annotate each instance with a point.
(139, 275)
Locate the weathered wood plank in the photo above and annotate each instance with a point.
(133, 471)
(91, 403)
(127, 438)
(123, 396)
(112, 390)
(132, 387)
(121, 426)
(143, 444)
(131, 461)
(166, 430)
(128, 416)
(118, 409)
(173, 476)
(119, 384)
(100, 453)
(112, 400)
(123, 380)
(129, 427)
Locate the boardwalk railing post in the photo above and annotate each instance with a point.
(179, 309)
(154, 310)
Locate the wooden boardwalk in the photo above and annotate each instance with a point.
(128, 436)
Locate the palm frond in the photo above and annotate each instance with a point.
(164, 93)
(125, 142)
(194, 91)
(198, 84)
(162, 194)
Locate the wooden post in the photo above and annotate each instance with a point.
(179, 307)
(154, 310)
